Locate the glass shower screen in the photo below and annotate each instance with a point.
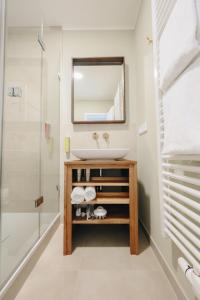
(21, 150)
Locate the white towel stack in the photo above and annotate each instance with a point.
(181, 112)
(90, 193)
(179, 43)
(79, 194)
(180, 72)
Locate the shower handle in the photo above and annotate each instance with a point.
(39, 201)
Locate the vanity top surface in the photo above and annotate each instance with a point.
(122, 162)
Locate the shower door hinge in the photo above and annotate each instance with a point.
(39, 201)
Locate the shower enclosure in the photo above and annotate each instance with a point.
(30, 141)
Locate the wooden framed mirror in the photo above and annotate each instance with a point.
(98, 90)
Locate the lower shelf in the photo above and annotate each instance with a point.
(107, 200)
(107, 220)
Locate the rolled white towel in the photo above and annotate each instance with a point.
(77, 195)
(90, 193)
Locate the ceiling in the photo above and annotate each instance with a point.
(74, 14)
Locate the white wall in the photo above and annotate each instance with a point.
(91, 44)
(147, 145)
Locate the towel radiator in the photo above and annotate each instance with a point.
(179, 174)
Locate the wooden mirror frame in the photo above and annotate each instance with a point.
(97, 61)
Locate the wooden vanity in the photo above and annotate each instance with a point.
(116, 184)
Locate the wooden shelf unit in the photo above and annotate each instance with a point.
(114, 200)
(101, 183)
(108, 220)
(108, 200)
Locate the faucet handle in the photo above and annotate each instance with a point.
(95, 136)
(106, 136)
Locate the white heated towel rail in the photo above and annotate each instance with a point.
(179, 174)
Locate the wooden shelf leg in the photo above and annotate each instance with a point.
(133, 209)
(68, 212)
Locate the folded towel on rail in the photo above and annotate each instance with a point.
(181, 107)
(90, 193)
(77, 195)
(179, 42)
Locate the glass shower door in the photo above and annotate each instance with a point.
(51, 127)
(21, 155)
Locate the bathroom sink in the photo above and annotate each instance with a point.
(107, 153)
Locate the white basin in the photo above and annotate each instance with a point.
(107, 153)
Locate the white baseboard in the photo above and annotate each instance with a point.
(168, 271)
(30, 256)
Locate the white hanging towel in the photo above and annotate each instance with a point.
(77, 195)
(179, 43)
(90, 193)
(181, 106)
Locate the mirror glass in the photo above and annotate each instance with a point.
(98, 90)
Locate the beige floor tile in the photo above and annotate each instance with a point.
(49, 285)
(55, 260)
(100, 267)
(123, 285)
(106, 258)
(114, 254)
(145, 261)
